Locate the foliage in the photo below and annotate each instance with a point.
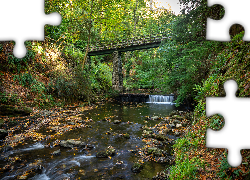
(230, 63)
(184, 169)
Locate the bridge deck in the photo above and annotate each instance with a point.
(129, 45)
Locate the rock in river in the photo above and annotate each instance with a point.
(155, 118)
(137, 167)
(117, 121)
(110, 151)
(56, 153)
(70, 143)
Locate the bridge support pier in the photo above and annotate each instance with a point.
(117, 76)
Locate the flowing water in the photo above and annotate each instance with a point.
(82, 164)
(161, 99)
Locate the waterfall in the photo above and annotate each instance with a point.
(161, 99)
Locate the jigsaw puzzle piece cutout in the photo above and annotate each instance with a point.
(236, 12)
(27, 19)
(236, 114)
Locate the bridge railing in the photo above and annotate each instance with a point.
(125, 43)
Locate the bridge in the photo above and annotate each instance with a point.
(116, 48)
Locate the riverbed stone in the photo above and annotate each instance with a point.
(174, 112)
(56, 153)
(72, 143)
(117, 121)
(172, 125)
(155, 118)
(178, 117)
(178, 125)
(177, 122)
(70, 123)
(136, 168)
(160, 137)
(161, 159)
(163, 175)
(110, 151)
(127, 136)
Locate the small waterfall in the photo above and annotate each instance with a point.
(161, 99)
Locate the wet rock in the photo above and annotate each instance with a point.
(72, 143)
(146, 128)
(3, 133)
(163, 175)
(155, 118)
(178, 125)
(55, 128)
(177, 133)
(136, 168)
(147, 132)
(172, 125)
(155, 152)
(56, 153)
(160, 137)
(70, 123)
(45, 113)
(178, 117)
(127, 136)
(165, 131)
(110, 151)
(89, 146)
(177, 122)
(161, 160)
(174, 113)
(117, 121)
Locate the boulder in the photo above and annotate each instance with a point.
(163, 175)
(117, 121)
(172, 125)
(165, 131)
(72, 143)
(178, 125)
(156, 152)
(177, 122)
(127, 136)
(155, 118)
(70, 123)
(110, 151)
(174, 113)
(160, 137)
(56, 153)
(136, 168)
(178, 117)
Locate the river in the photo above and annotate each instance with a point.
(83, 164)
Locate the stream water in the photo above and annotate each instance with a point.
(82, 164)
